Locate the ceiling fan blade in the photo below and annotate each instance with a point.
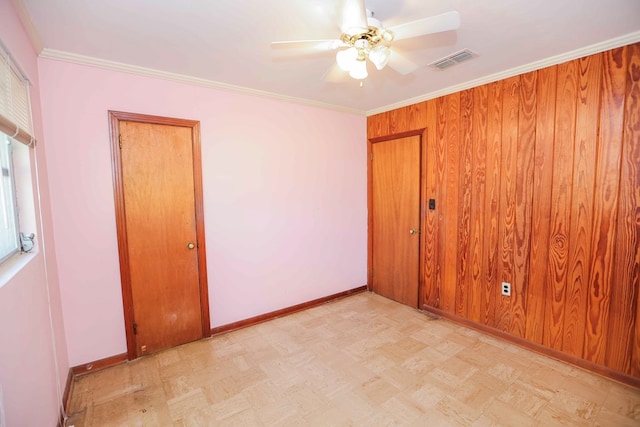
(353, 16)
(309, 45)
(400, 63)
(433, 24)
(335, 74)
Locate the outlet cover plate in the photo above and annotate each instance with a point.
(506, 289)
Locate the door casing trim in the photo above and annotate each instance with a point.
(115, 117)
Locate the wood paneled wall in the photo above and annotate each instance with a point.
(537, 182)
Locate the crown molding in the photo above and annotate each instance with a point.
(181, 78)
(537, 65)
(59, 55)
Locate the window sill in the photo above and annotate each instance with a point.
(13, 265)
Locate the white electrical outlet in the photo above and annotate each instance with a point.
(506, 289)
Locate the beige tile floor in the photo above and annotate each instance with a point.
(360, 361)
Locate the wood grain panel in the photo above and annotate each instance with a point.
(430, 288)
(560, 205)
(537, 183)
(398, 120)
(441, 174)
(464, 203)
(608, 153)
(510, 113)
(524, 196)
(421, 238)
(406, 119)
(491, 220)
(476, 250)
(417, 116)
(541, 208)
(624, 295)
(452, 128)
(587, 112)
(378, 125)
(632, 138)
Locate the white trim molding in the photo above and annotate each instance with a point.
(537, 65)
(149, 72)
(59, 55)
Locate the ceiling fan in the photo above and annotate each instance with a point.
(364, 38)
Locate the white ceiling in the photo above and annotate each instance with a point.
(229, 41)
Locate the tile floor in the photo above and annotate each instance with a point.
(359, 361)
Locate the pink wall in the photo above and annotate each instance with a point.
(284, 197)
(30, 383)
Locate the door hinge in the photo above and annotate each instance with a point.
(372, 272)
(135, 328)
(120, 141)
(371, 156)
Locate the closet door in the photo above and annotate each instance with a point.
(160, 231)
(395, 198)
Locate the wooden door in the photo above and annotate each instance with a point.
(161, 246)
(395, 167)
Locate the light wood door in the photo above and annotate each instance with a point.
(396, 219)
(162, 250)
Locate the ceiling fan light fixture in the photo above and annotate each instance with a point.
(364, 39)
(380, 56)
(347, 58)
(359, 70)
(362, 44)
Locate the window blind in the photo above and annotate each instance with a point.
(15, 107)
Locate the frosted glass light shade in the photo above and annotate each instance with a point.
(346, 59)
(380, 56)
(359, 70)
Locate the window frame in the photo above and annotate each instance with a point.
(14, 214)
(16, 130)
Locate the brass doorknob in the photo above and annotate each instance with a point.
(413, 231)
(191, 245)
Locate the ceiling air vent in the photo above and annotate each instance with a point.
(453, 59)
